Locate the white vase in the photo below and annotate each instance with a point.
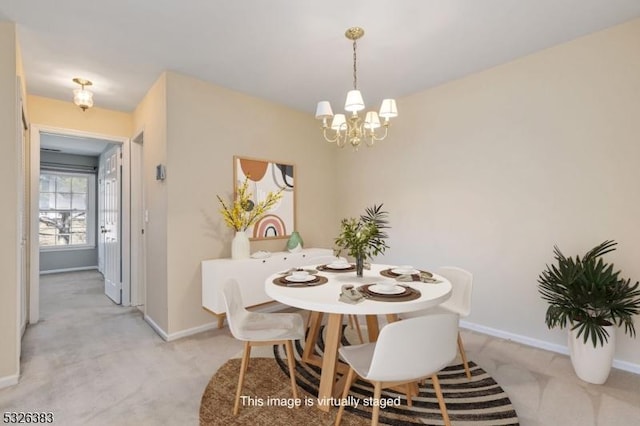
(240, 247)
(592, 364)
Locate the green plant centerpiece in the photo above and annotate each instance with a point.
(589, 295)
(364, 238)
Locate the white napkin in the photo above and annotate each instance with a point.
(351, 295)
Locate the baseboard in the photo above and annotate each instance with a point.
(79, 268)
(626, 366)
(9, 381)
(156, 327)
(192, 331)
(180, 334)
(540, 344)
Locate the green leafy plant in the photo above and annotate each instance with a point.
(589, 294)
(364, 237)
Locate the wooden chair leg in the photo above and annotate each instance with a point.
(292, 368)
(354, 323)
(377, 393)
(463, 355)
(443, 407)
(243, 368)
(345, 393)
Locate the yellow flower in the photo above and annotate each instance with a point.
(242, 212)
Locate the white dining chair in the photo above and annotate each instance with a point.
(405, 352)
(459, 302)
(258, 329)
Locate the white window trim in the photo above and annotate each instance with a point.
(91, 213)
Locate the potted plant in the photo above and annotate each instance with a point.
(364, 238)
(589, 296)
(242, 213)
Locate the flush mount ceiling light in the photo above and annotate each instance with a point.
(351, 128)
(82, 97)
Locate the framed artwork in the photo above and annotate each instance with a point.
(266, 176)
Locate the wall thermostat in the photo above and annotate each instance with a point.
(161, 172)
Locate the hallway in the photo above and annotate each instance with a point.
(90, 361)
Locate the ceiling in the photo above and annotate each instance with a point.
(73, 144)
(290, 52)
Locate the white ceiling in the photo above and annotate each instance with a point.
(290, 52)
(73, 144)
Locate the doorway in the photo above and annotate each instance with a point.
(73, 139)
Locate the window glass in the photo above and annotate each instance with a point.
(63, 184)
(65, 206)
(79, 201)
(79, 185)
(63, 201)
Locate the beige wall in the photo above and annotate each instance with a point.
(9, 179)
(66, 115)
(150, 117)
(487, 172)
(490, 171)
(207, 126)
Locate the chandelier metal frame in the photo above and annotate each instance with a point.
(352, 128)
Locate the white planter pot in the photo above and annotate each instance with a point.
(240, 247)
(592, 364)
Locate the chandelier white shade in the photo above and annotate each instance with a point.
(83, 97)
(350, 128)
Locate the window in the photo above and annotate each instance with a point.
(67, 210)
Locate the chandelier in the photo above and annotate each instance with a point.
(83, 97)
(352, 128)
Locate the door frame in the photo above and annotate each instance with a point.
(138, 223)
(34, 191)
(22, 224)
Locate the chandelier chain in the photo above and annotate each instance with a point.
(355, 69)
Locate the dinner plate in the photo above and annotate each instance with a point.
(300, 279)
(338, 265)
(405, 271)
(375, 288)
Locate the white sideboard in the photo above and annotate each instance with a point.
(250, 274)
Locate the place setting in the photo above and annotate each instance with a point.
(388, 290)
(407, 273)
(338, 265)
(300, 278)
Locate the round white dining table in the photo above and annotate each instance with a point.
(325, 299)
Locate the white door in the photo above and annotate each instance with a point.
(110, 226)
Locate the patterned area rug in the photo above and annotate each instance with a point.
(267, 398)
